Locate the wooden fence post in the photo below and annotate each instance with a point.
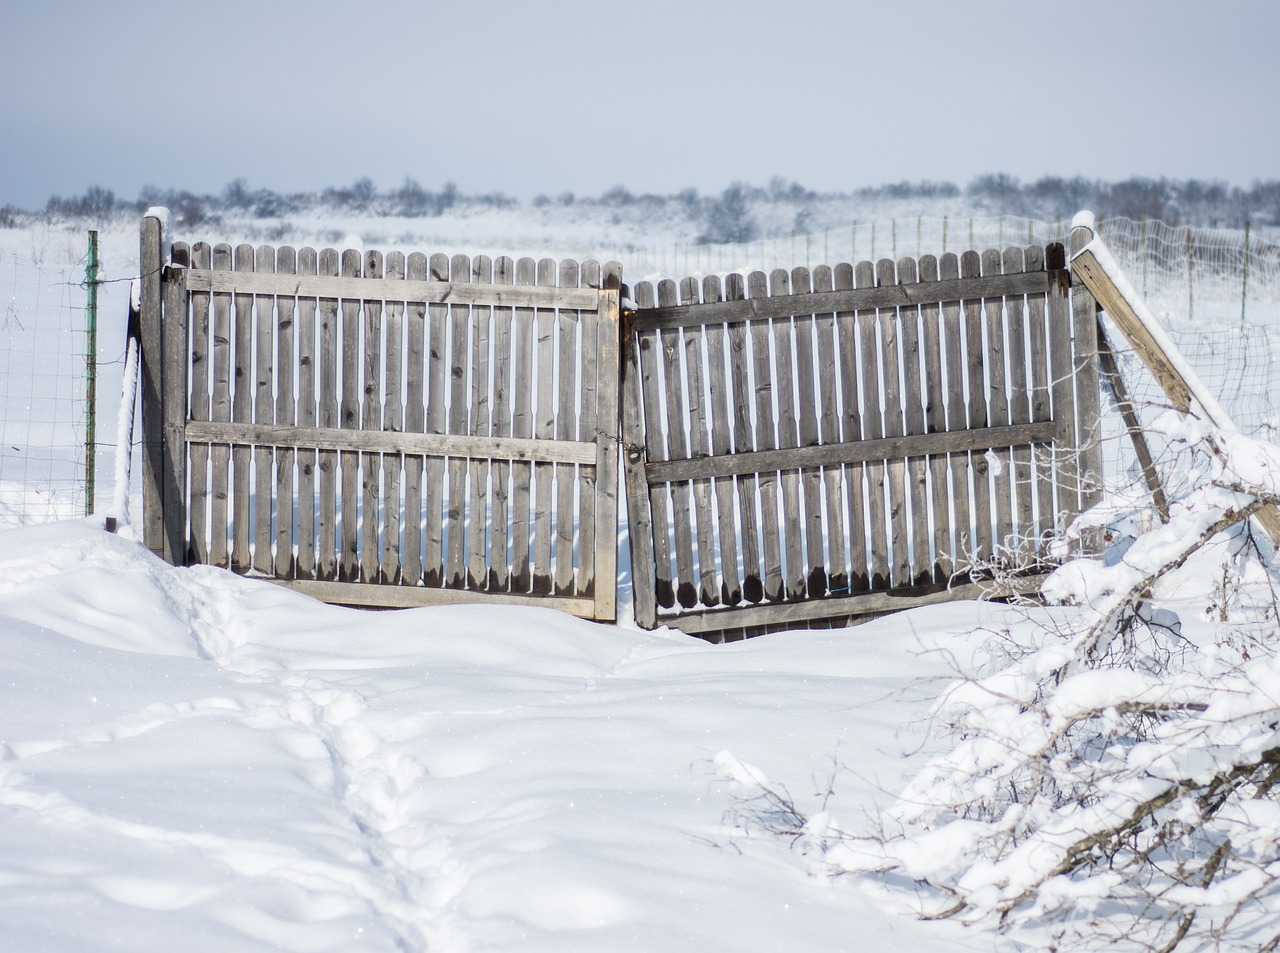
(153, 257)
(174, 409)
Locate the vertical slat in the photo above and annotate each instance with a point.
(677, 449)
(652, 364)
(522, 409)
(1084, 341)
(330, 417)
(503, 346)
(286, 263)
(307, 417)
(481, 425)
(917, 468)
(894, 399)
(829, 432)
(459, 355)
(201, 258)
(371, 419)
(545, 429)
(569, 386)
(1042, 458)
(640, 518)
(349, 461)
(1019, 413)
(721, 409)
(699, 445)
(1066, 463)
(393, 465)
(264, 412)
(437, 372)
(220, 490)
(602, 578)
(591, 548)
(998, 410)
(872, 429)
(414, 422)
(851, 428)
(152, 252)
(744, 442)
(935, 421)
(979, 549)
(174, 404)
(242, 412)
(957, 463)
(815, 568)
(792, 525)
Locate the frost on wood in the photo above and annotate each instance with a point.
(1109, 779)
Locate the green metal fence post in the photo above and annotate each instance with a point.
(91, 372)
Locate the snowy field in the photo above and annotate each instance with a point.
(194, 760)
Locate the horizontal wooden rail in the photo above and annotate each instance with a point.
(393, 289)
(408, 597)
(826, 302)
(871, 603)
(861, 451)
(387, 441)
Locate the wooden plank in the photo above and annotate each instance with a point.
(522, 410)
(455, 573)
(569, 386)
(890, 296)
(173, 484)
(437, 374)
(285, 413)
(371, 420)
(1066, 462)
(815, 557)
(481, 425)
(264, 412)
(743, 441)
(591, 547)
(503, 345)
(415, 423)
(307, 416)
(411, 290)
(1084, 344)
(697, 410)
(242, 412)
(868, 604)
(1132, 423)
(349, 419)
(766, 439)
(935, 421)
(544, 428)
(640, 523)
(896, 481)
(869, 344)
(836, 576)
(678, 449)
(201, 257)
(153, 251)
(837, 454)
(1041, 456)
(720, 412)
(602, 578)
(851, 476)
(393, 465)
(1023, 549)
(330, 416)
(220, 488)
(916, 472)
(961, 531)
(1004, 541)
(980, 547)
(407, 597)
(652, 360)
(793, 525)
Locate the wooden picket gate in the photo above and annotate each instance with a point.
(383, 430)
(827, 445)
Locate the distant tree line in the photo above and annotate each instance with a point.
(731, 216)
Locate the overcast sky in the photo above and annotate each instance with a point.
(549, 96)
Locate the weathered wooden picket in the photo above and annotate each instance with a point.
(805, 446)
(383, 429)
